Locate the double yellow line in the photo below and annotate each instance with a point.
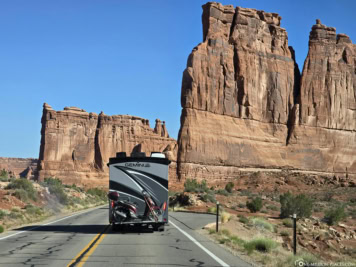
(85, 253)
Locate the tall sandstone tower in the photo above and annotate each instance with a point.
(245, 104)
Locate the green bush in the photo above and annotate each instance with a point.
(222, 192)
(15, 214)
(21, 194)
(98, 192)
(229, 187)
(334, 215)
(56, 188)
(261, 244)
(2, 214)
(305, 258)
(25, 185)
(33, 210)
(241, 205)
(255, 205)
(236, 240)
(284, 233)
(208, 197)
(76, 200)
(301, 204)
(1, 229)
(287, 222)
(262, 224)
(4, 174)
(243, 219)
(274, 208)
(192, 185)
(74, 187)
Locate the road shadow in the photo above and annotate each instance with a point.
(85, 229)
(130, 229)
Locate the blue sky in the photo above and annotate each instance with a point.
(117, 56)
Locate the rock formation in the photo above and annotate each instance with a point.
(246, 106)
(19, 167)
(76, 145)
(325, 114)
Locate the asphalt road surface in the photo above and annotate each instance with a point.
(86, 239)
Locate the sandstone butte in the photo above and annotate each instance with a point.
(76, 145)
(246, 105)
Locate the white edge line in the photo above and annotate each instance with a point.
(2, 238)
(216, 258)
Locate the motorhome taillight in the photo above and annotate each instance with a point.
(164, 206)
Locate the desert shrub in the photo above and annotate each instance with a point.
(15, 214)
(264, 211)
(262, 224)
(172, 193)
(241, 205)
(243, 219)
(2, 214)
(225, 217)
(74, 187)
(301, 204)
(4, 174)
(212, 210)
(236, 240)
(284, 233)
(56, 188)
(21, 194)
(33, 210)
(260, 244)
(304, 259)
(255, 204)
(274, 208)
(4, 179)
(229, 187)
(245, 192)
(287, 222)
(211, 231)
(1, 229)
(328, 196)
(98, 192)
(192, 185)
(225, 232)
(334, 215)
(222, 192)
(317, 208)
(352, 213)
(208, 197)
(76, 200)
(25, 185)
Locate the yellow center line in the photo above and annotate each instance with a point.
(85, 253)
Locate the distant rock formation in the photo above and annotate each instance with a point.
(19, 167)
(245, 104)
(76, 145)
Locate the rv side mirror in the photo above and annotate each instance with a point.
(113, 196)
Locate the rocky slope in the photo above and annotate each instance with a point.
(76, 145)
(245, 104)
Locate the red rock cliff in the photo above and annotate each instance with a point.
(241, 97)
(76, 145)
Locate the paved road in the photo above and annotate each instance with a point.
(87, 239)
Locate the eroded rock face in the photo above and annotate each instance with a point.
(244, 107)
(19, 167)
(76, 145)
(326, 115)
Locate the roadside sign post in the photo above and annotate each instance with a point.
(295, 233)
(217, 216)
